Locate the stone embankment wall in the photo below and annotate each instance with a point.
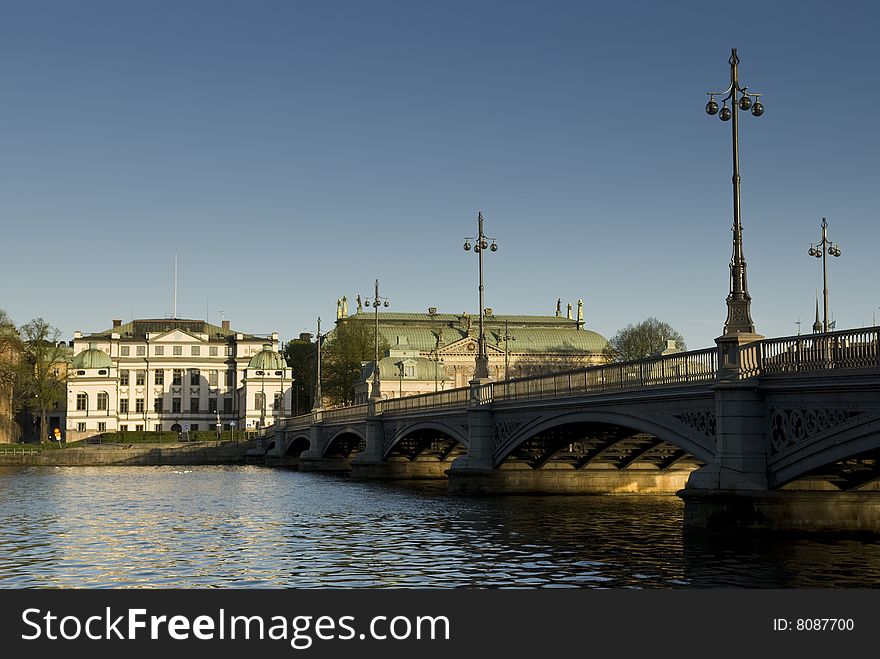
(208, 453)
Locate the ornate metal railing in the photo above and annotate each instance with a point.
(680, 368)
(345, 413)
(847, 349)
(438, 399)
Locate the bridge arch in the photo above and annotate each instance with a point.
(297, 444)
(344, 441)
(687, 442)
(425, 432)
(848, 458)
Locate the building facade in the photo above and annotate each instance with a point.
(174, 375)
(433, 351)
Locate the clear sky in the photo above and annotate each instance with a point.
(292, 152)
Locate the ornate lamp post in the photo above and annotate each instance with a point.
(739, 316)
(378, 301)
(822, 247)
(481, 244)
(318, 405)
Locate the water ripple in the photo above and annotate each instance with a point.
(247, 527)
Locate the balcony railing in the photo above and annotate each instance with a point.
(844, 350)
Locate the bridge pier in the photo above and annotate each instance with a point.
(782, 510)
(400, 469)
(553, 479)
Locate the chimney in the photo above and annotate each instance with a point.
(117, 322)
(568, 315)
(224, 324)
(580, 316)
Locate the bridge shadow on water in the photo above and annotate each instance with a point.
(604, 541)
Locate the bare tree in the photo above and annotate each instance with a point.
(642, 340)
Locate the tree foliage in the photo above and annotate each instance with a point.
(42, 372)
(350, 345)
(300, 355)
(642, 340)
(10, 354)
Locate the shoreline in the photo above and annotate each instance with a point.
(193, 453)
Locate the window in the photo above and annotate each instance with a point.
(159, 351)
(123, 378)
(212, 405)
(80, 372)
(175, 406)
(193, 404)
(158, 404)
(103, 400)
(159, 377)
(139, 427)
(177, 377)
(103, 371)
(259, 400)
(227, 406)
(123, 427)
(141, 351)
(212, 351)
(178, 350)
(213, 378)
(195, 350)
(276, 404)
(124, 351)
(139, 405)
(229, 351)
(123, 405)
(82, 402)
(81, 426)
(102, 426)
(194, 427)
(158, 427)
(194, 377)
(140, 378)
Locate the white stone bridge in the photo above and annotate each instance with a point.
(776, 431)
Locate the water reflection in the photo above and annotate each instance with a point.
(253, 527)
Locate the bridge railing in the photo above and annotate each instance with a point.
(351, 412)
(679, 368)
(438, 399)
(847, 349)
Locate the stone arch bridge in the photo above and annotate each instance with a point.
(773, 431)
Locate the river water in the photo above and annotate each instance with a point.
(253, 527)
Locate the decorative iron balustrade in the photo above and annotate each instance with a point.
(680, 368)
(437, 399)
(847, 349)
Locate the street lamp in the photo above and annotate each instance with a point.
(481, 244)
(378, 301)
(318, 404)
(739, 315)
(822, 247)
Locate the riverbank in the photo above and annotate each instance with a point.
(100, 455)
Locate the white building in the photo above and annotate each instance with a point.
(174, 375)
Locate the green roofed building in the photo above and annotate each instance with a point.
(434, 351)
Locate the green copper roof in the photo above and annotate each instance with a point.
(390, 369)
(138, 329)
(91, 358)
(267, 360)
(529, 338)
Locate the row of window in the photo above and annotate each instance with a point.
(82, 404)
(159, 351)
(102, 427)
(140, 377)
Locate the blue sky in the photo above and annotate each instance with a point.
(292, 152)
